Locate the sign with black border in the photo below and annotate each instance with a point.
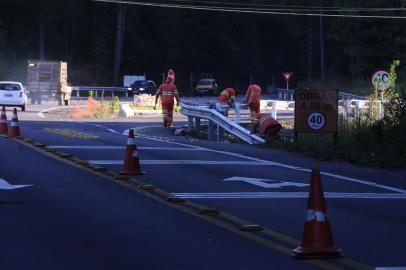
(316, 111)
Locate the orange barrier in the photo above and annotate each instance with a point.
(131, 160)
(317, 240)
(3, 122)
(14, 130)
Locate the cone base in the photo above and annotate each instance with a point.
(132, 173)
(317, 253)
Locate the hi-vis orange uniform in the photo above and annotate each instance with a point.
(266, 125)
(227, 95)
(253, 97)
(168, 92)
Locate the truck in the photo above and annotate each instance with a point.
(48, 80)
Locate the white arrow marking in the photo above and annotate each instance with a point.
(5, 185)
(260, 182)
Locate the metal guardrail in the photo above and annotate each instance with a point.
(98, 89)
(203, 111)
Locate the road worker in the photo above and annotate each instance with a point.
(171, 74)
(227, 97)
(253, 98)
(168, 92)
(266, 126)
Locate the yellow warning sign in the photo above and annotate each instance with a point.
(316, 111)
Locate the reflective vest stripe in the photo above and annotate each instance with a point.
(317, 215)
(264, 118)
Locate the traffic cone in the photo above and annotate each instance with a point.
(14, 130)
(317, 240)
(3, 122)
(131, 160)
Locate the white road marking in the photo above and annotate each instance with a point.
(41, 113)
(266, 162)
(113, 131)
(287, 195)
(110, 147)
(391, 268)
(261, 182)
(180, 162)
(263, 162)
(5, 185)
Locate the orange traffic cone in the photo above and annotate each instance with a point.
(14, 130)
(131, 161)
(3, 122)
(317, 240)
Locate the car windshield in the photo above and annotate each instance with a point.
(9, 86)
(205, 82)
(151, 83)
(141, 83)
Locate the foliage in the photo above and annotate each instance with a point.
(234, 47)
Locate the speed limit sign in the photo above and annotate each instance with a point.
(380, 79)
(315, 120)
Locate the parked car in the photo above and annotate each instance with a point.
(143, 87)
(13, 94)
(206, 87)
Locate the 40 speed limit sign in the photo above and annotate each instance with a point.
(316, 111)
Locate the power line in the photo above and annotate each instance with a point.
(292, 7)
(250, 11)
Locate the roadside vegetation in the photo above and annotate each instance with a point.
(363, 137)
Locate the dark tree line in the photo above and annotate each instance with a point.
(103, 41)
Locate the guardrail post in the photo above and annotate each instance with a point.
(197, 122)
(237, 112)
(210, 131)
(274, 111)
(220, 133)
(77, 93)
(190, 123)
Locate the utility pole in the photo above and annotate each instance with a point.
(322, 76)
(119, 42)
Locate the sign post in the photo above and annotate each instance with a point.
(380, 81)
(316, 111)
(287, 76)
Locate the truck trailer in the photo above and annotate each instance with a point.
(47, 80)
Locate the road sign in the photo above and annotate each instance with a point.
(262, 182)
(380, 79)
(287, 76)
(316, 111)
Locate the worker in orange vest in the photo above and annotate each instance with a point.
(253, 98)
(266, 125)
(227, 97)
(168, 92)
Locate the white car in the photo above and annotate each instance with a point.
(13, 94)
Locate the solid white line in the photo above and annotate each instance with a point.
(113, 131)
(180, 162)
(109, 147)
(391, 268)
(287, 195)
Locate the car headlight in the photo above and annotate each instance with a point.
(142, 89)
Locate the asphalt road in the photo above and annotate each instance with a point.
(72, 218)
